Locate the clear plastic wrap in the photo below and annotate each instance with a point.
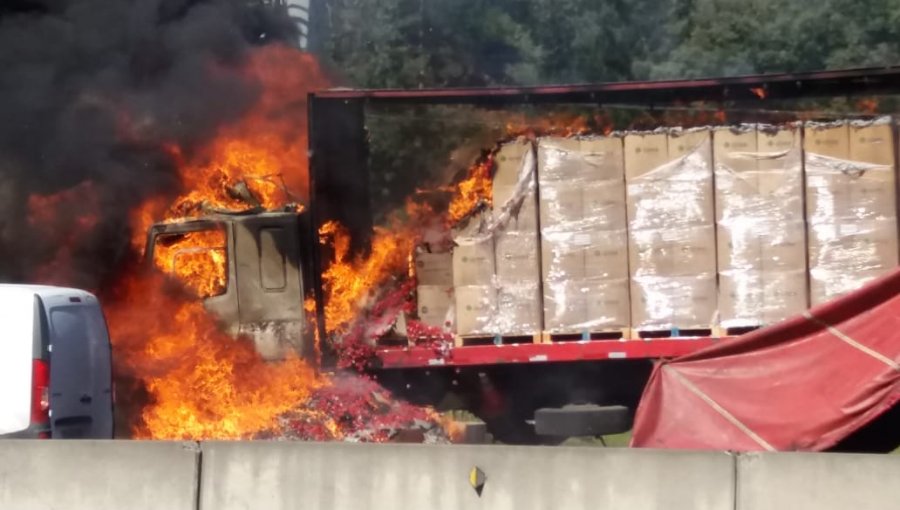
(671, 229)
(759, 214)
(851, 205)
(583, 234)
(496, 268)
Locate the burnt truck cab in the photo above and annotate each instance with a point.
(262, 294)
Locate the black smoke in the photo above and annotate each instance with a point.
(93, 90)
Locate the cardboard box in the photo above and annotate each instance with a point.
(563, 255)
(509, 162)
(669, 195)
(519, 309)
(561, 204)
(758, 174)
(560, 160)
(755, 298)
(830, 140)
(524, 218)
(565, 306)
(603, 204)
(473, 264)
(608, 304)
(872, 143)
(475, 309)
(688, 141)
(434, 268)
(516, 256)
(603, 157)
(687, 302)
(686, 251)
(434, 305)
(827, 285)
(607, 254)
(853, 247)
(644, 152)
(864, 195)
(762, 246)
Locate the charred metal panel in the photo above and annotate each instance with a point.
(339, 181)
(263, 298)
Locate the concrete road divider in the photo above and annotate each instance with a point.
(98, 475)
(823, 481)
(278, 475)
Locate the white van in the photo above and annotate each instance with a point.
(55, 364)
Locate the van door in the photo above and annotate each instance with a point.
(80, 372)
(16, 349)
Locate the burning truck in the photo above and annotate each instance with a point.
(537, 289)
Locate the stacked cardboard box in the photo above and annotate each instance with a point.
(496, 269)
(434, 273)
(583, 234)
(759, 215)
(851, 205)
(672, 248)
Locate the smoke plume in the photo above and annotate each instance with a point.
(92, 92)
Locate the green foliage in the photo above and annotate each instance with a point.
(447, 43)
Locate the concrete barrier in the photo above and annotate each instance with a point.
(811, 481)
(98, 475)
(282, 475)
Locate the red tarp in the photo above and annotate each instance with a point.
(803, 384)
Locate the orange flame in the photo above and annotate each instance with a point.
(349, 282)
(759, 92)
(197, 259)
(201, 382)
(260, 160)
(476, 188)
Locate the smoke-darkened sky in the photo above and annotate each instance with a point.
(91, 91)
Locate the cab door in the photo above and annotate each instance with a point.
(80, 370)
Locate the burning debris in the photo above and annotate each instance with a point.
(357, 409)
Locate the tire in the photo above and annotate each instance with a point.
(582, 420)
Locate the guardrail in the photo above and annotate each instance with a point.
(100, 475)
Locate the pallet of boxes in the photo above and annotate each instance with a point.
(495, 258)
(850, 205)
(760, 227)
(668, 233)
(671, 232)
(584, 240)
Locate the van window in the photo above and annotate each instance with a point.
(80, 326)
(271, 258)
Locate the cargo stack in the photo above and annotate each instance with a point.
(434, 275)
(584, 239)
(496, 273)
(760, 227)
(850, 204)
(671, 230)
(515, 221)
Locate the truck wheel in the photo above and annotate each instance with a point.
(582, 420)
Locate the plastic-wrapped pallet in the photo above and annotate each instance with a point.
(495, 261)
(672, 254)
(851, 205)
(583, 234)
(761, 232)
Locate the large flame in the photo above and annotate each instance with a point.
(197, 259)
(200, 382)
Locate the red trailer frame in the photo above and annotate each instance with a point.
(585, 350)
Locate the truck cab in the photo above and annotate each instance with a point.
(55, 364)
(259, 290)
